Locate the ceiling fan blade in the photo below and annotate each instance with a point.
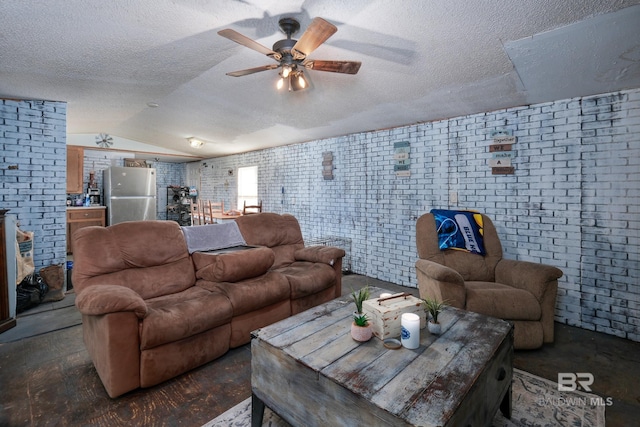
(248, 71)
(317, 33)
(347, 67)
(251, 44)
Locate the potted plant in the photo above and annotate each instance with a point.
(359, 297)
(360, 328)
(434, 308)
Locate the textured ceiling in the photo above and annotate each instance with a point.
(421, 61)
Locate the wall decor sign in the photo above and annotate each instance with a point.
(499, 147)
(401, 158)
(502, 152)
(327, 165)
(500, 159)
(508, 170)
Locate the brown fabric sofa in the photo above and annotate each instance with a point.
(518, 291)
(151, 311)
(314, 273)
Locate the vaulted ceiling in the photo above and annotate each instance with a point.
(153, 71)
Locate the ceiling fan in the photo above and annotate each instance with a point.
(103, 140)
(292, 55)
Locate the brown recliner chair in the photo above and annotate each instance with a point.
(521, 292)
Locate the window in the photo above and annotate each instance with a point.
(247, 186)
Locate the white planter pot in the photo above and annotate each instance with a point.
(434, 328)
(361, 333)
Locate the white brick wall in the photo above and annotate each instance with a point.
(573, 201)
(33, 139)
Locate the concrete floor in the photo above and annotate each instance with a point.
(613, 362)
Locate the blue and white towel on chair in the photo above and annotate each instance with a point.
(460, 230)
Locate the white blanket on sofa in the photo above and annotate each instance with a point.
(211, 237)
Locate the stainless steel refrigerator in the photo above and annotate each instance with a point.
(130, 194)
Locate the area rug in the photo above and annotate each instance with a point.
(536, 402)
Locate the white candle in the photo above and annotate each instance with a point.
(385, 295)
(410, 323)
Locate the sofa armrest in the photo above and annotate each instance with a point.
(323, 254)
(104, 299)
(440, 282)
(234, 266)
(526, 275)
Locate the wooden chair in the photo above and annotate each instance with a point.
(211, 208)
(202, 212)
(251, 209)
(197, 214)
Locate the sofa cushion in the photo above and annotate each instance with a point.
(149, 257)
(233, 266)
(279, 232)
(181, 315)
(252, 294)
(307, 278)
(151, 282)
(502, 301)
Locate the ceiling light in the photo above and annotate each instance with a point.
(297, 81)
(195, 143)
(280, 83)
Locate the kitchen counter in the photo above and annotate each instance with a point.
(81, 216)
(85, 207)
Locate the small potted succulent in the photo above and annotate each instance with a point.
(433, 308)
(360, 327)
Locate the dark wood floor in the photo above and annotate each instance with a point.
(47, 379)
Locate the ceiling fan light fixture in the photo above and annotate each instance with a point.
(301, 80)
(195, 143)
(297, 81)
(291, 55)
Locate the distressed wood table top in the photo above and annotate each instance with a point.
(309, 370)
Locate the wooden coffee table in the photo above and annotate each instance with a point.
(310, 372)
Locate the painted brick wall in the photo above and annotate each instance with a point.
(572, 203)
(33, 173)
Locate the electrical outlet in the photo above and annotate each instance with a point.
(453, 197)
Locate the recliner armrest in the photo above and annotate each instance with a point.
(439, 272)
(104, 299)
(323, 254)
(440, 282)
(526, 275)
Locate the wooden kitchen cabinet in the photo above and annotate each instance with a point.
(83, 217)
(75, 169)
